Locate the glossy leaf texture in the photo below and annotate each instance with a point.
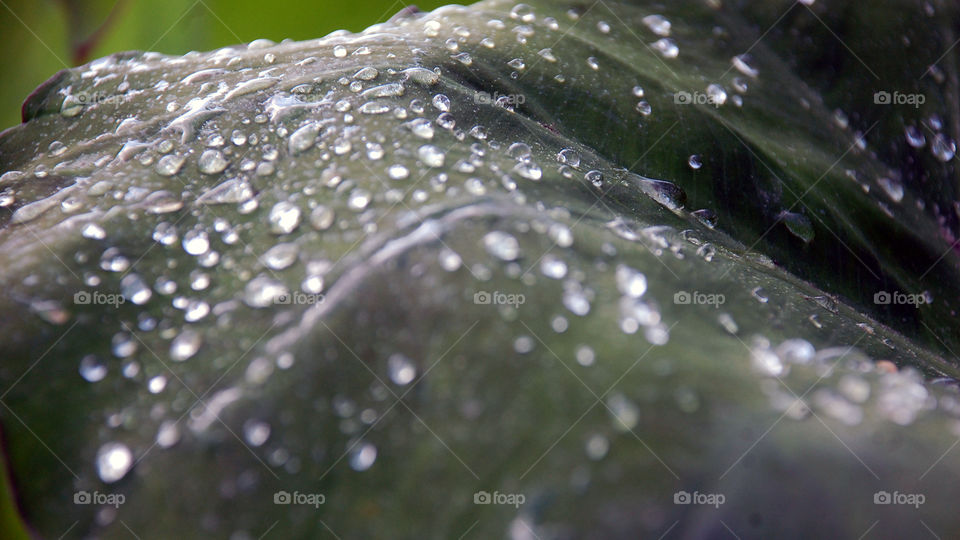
(552, 270)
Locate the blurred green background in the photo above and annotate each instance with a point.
(40, 37)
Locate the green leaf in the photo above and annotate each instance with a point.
(469, 253)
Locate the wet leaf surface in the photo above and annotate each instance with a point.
(614, 266)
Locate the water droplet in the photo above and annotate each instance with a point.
(359, 199)
(716, 95)
(421, 127)
(585, 355)
(760, 295)
(528, 170)
(430, 155)
(363, 456)
(339, 51)
(694, 162)
(185, 345)
(92, 369)
(943, 148)
(321, 218)
(196, 242)
(366, 74)
(666, 47)
(501, 245)
(281, 256)
(421, 76)
(284, 218)
(170, 164)
(72, 105)
(383, 91)
(666, 193)
(631, 282)
(397, 172)
(574, 298)
(742, 64)
(93, 231)
(625, 413)
(113, 261)
(553, 267)
(892, 188)
(303, 138)
(256, 432)
(441, 102)
(212, 162)
(375, 107)
(401, 369)
(914, 136)
(799, 225)
(522, 12)
(597, 447)
(547, 54)
(263, 291)
(135, 289)
(707, 217)
(594, 177)
(657, 24)
(114, 461)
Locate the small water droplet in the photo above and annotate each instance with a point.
(402, 370)
(114, 461)
(666, 47)
(284, 218)
(185, 345)
(212, 162)
(135, 289)
(431, 156)
(92, 369)
(256, 432)
(363, 456)
(658, 24)
(281, 256)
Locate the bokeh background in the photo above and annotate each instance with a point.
(40, 37)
